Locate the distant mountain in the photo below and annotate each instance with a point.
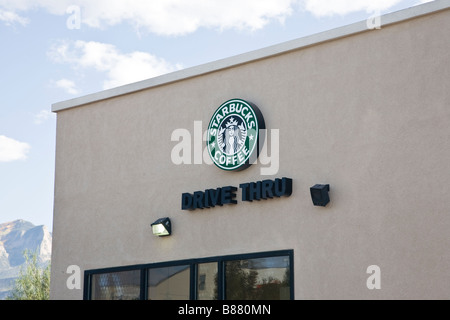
(16, 237)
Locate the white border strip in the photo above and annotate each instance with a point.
(358, 27)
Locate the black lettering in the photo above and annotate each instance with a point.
(186, 201)
(283, 187)
(245, 195)
(207, 200)
(254, 192)
(198, 199)
(267, 189)
(214, 197)
(228, 194)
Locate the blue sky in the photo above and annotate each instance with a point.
(57, 50)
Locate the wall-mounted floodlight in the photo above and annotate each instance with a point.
(162, 227)
(319, 194)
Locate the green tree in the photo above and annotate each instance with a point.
(240, 283)
(33, 282)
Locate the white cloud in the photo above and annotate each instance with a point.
(12, 150)
(179, 17)
(68, 85)
(42, 116)
(322, 8)
(167, 17)
(9, 18)
(120, 68)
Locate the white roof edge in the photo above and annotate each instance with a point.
(358, 27)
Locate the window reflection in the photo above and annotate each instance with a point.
(169, 283)
(123, 285)
(258, 279)
(207, 281)
(239, 277)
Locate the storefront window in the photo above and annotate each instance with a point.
(258, 279)
(257, 276)
(207, 281)
(124, 285)
(169, 283)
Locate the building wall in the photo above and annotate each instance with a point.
(368, 114)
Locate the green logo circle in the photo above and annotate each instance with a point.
(234, 139)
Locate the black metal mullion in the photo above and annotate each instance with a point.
(221, 280)
(143, 292)
(193, 282)
(87, 286)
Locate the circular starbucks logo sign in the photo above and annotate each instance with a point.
(234, 139)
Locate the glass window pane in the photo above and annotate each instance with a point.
(258, 279)
(123, 285)
(207, 281)
(169, 283)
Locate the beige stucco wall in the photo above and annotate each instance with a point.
(369, 114)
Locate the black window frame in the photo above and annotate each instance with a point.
(220, 260)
